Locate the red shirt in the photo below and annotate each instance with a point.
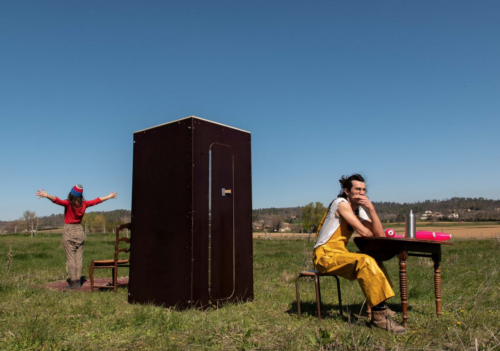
(75, 215)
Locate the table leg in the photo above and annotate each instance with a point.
(437, 287)
(403, 286)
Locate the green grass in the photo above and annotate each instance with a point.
(34, 318)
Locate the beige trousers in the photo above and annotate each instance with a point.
(73, 240)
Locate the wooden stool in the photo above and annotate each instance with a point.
(316, 275)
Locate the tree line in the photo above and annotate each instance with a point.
(307, 218)
(93, 222)
(299, 218)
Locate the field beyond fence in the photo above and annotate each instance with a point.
(458, 231)
(33, 317)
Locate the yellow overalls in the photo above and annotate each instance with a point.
(334, 258)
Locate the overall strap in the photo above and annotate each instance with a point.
(323, 219)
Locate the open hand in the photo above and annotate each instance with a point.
(41, 194)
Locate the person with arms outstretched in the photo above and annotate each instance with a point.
(73, 234)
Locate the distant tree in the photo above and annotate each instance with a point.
(296, 228)
(13, 226)
(400, 217)
(276, 222)
(87, 220)
(124, 219)
(312, 214)
(93, 222)
(99, 222)
(255, 216)
(29, 218)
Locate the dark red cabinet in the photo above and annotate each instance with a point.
(191, 215)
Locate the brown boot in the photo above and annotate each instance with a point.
(391, 313)
(382, 320)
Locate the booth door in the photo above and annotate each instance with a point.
(221, 246)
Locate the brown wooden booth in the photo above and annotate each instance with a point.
(191, 215)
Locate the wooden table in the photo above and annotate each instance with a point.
(384, 248)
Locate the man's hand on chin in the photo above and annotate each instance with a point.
(364, 201)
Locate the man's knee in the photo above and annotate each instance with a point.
(367, 261)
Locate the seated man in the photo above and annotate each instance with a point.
(352, 210)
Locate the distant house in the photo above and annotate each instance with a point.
(286, 227)
(257, 226)
(428, 215)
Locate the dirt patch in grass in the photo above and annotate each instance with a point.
(62, 285)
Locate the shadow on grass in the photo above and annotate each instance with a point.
(332, 311)
(63, 285)
(110, 289)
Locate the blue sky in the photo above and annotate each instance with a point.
(406, 93)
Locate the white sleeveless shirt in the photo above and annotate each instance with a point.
(332, 221)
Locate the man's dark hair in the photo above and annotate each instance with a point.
(346, 183)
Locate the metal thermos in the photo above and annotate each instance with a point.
(410, 226)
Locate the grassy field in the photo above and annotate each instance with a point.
(35, 318)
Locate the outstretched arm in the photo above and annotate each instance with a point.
(42, 193)
(111, 195)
